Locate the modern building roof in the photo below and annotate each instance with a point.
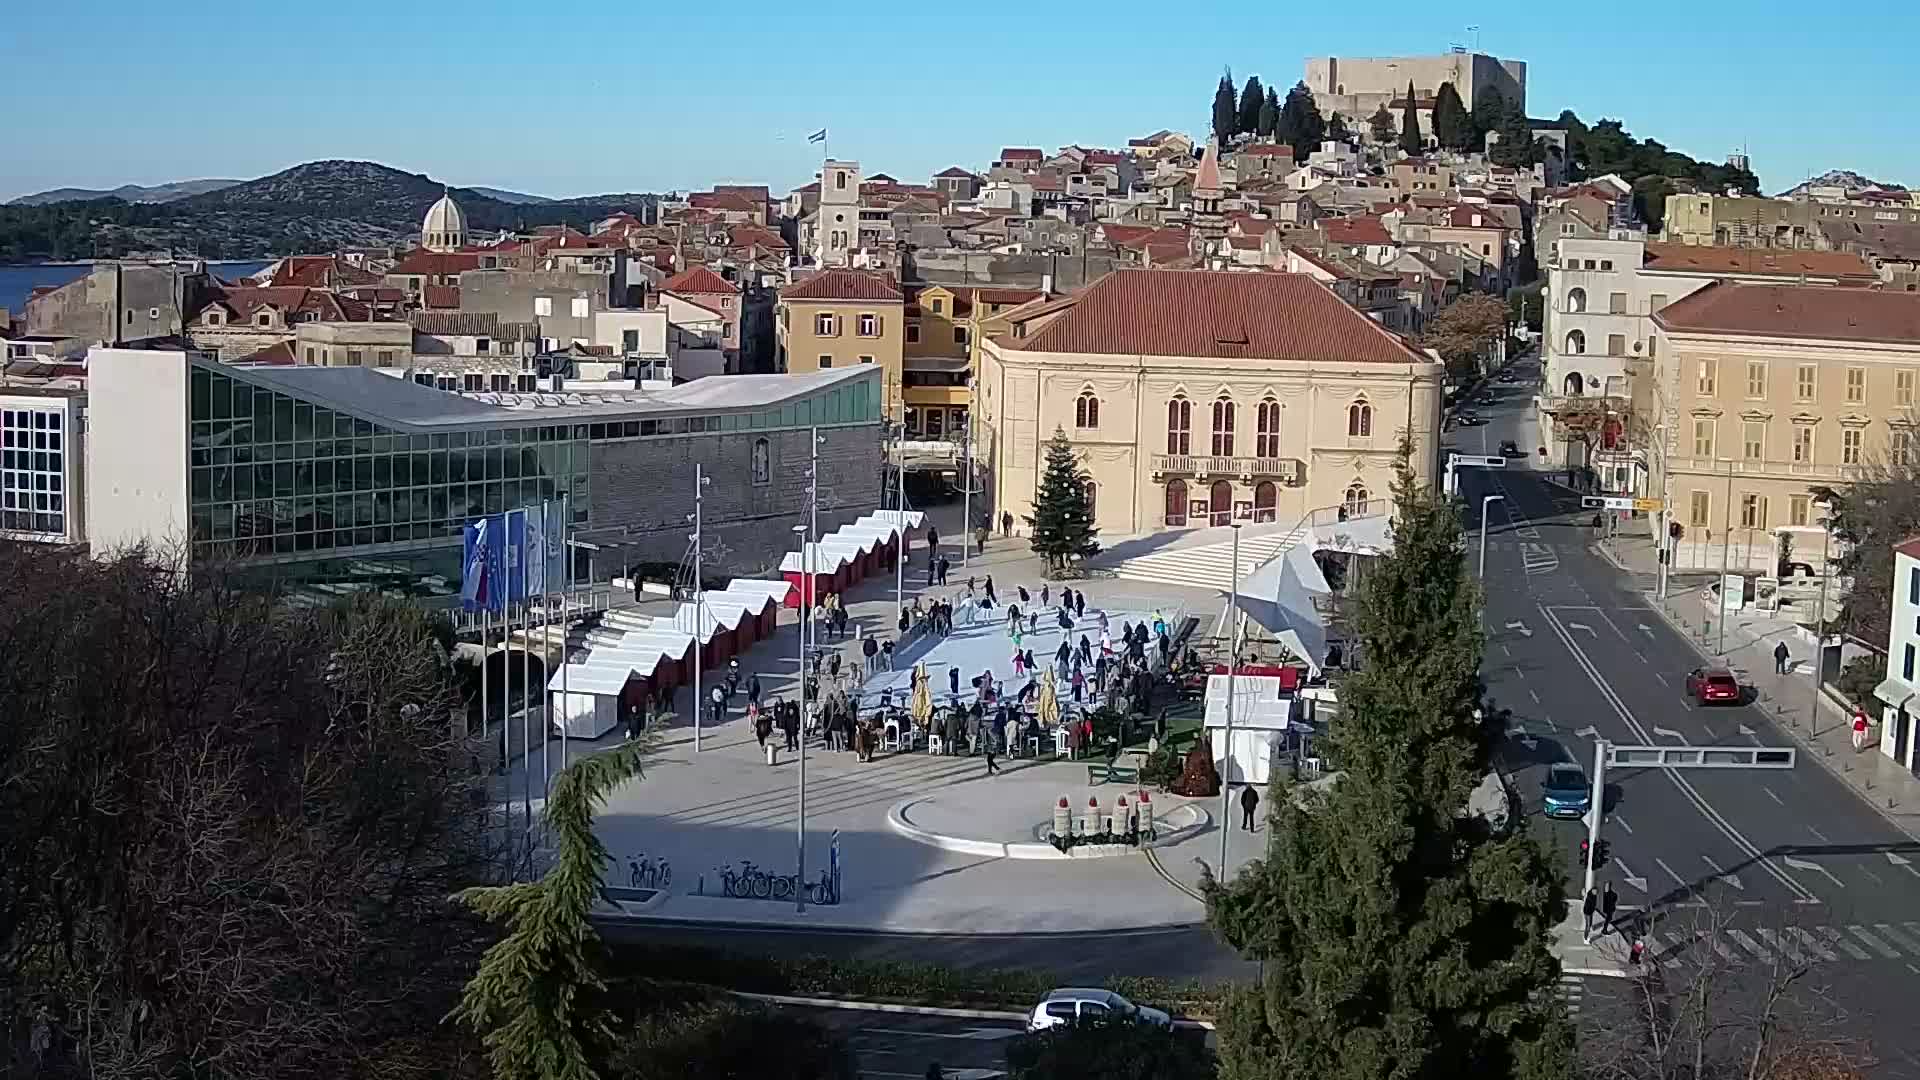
(697, 280)
(403, 404)
(1224, 315)
(1812, 312)
(843, 285)
(1784, 262)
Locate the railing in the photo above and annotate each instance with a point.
(1742, 467)
(1288, 469)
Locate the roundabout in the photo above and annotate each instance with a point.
(1018, 818)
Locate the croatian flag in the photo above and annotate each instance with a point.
(476, 584)
(818, 136)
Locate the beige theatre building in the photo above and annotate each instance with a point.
(1193, 395)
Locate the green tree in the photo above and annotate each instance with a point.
(1488, 112)
(1452, 127)
(539, 998)
(719, 1037)
(1269, 114)
(1252, 97)
(1225, 113)
(1062, 518)
(1399, 934)
(1337, 129)
(1300, 126)
(1516, 146)
(1382, 126)
(1410, 140)
(1109, 1048)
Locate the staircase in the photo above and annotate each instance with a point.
(1206, 566)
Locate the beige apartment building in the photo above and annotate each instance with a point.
(843, 318)
(1762, 393)
(1195, 397)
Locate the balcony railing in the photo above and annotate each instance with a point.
(1290, 470)
(1745, 467)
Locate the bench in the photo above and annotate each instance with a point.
(1115, 774)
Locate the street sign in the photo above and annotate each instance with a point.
(1700, 757)
(1616, 502)
(1477, 462)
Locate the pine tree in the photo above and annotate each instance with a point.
(1410, 140)
(1337, 129)
(1225, 113)
(1516, 138)
(1488, 113)
(1062, 518)
(1251, 98)
(1382, 125)
(538, 1001)
(1452, 127)
(1300, 124)
(1269, 114)
(1399, 935)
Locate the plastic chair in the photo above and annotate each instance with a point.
(936, 744)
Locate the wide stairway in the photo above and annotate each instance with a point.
(1208, 564)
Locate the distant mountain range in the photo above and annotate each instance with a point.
(316, 207)
(133, 193)
(1841, 178)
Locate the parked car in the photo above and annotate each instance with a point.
(1509, 448)
(1467, 419)
(1065, 1005)
(1709, 686)
(1565, 793)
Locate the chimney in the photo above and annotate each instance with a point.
(1046, 284)
(556, 382)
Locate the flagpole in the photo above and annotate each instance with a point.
(546, 624)
(566, 620)
(526, 676)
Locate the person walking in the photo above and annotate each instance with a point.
(1006, 523)
(988, 586)
(1046, 594)
(753, 689)
(1249, 802)
(762, 723)
(946, 566)
(989, 744)
(869, 650)
(953, 680)
(1859, 729)
(1780, 658)
(1587, 907)
(886, 654)
(933, 569)
(1019, 661)
(1609, 901)
(719, 699)
(1079, 683)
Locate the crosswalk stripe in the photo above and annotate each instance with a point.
(1787, 946)
(1833, 938)
(1747, 943)
(1873, 943)
(1798, 934)
(1898, 937)
(1719, 946)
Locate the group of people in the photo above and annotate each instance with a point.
(830, 617)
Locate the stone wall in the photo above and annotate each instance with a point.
(116, 303)
(956, 267)
(646, 487)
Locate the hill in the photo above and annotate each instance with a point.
(1840, 178)
(133, 193)
(1654, 170)
(515, 197)
(318, 206)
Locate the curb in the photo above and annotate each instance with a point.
(1153, 860)
(897, 821)
(847, 929)
(1598, 973)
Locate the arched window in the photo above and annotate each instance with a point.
(1086, 410)
(1223, 428)
(1266, 499)
(1179, 426)
(1093, 500)
(1576, 342)
(1359, 419)
(1577, 300)
(1176, 502)
(762, 461)
(1575, 384)
(1266, 439)
(1220, 503)
(1355, 504)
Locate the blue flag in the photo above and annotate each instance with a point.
(515, 581)
(496, 557)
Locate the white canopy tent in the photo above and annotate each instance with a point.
(1279, 598)
(586, 695)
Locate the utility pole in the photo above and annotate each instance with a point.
(1820, 629)
(966, 479)
(1593, 811)
(806, 559)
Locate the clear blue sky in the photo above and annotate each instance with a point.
(570, 97)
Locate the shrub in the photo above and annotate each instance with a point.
(1862, 673)
(1162, 767)
(717, 1037)
(1110, 1048)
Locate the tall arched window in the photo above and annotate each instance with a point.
(1575, 384)
(1176, 502)
(1086, 410)
(1220, 503)
(1223, 428)
(1577, 300)
(1359, 419)
(1355, 504)
(1179, 426)
(1266, 499)
(1266, 439)
(1093, 500)
(1576, 342)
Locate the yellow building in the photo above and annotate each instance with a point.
(840, 318)
(945, 325)
(1762, 393)
(1194, 396)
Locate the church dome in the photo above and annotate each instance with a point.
(445, 227)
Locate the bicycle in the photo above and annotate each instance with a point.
(643, 873)
(730, 884)
(783, 887)
(822, 891)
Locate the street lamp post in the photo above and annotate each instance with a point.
(1820, 628)
(1485, 502)
(807, 557)
(700, 482)
(966, 480)
(1233, 672)
(1726, 545)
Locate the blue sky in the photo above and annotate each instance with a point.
(570, 98)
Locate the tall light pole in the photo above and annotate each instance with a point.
(1485, 502)
(1233, 684)
(966, 478)
(1819, 628)
(807, 563)
(700, 482)
(900, 537)
(1726, 544)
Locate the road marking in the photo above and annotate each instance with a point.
(1898, 937)
(1671, 872)
(1753, 736)
(1746, 942)
(1771, 795)
(1582, 626)
(1622, 822)
(1731, 879)
(1534, 696)
(1520, 671)
(1873, 943)
(1506, 650)
(1713, 940)
(1817, 835)
(1669, 733)
(1708, 732)
(1626, 872)
(1835, 939)
(1781, 944)
(1802, 864)
(978, 1034)
(1901, 861)
(1714, 817)
(1795, 933)
(1877, 879)
(1521, 628)
(1588, 732)
(1645, 629)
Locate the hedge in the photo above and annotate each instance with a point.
(892, 980)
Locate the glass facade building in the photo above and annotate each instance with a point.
(33, 470)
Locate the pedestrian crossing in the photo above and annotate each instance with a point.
(1572, 989)
(1206, 566)
(1878, 942)
(1538, 558)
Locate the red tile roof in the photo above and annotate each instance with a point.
(1018, 153)
(243, 301)
(843, 285)
(1267, 150)
(1909, 548)
(441, 297)
(745, 235)
(278, 354)
(1785, 262)
(1227, 316)
(757, 192)
(953, 171)
(320, 272)
(1356, 230)
(725, 200)
(1815, 312)
(1104, 157)
(1464, 217)
(1207, 178)
(697, 280)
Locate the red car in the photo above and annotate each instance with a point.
(1710, 686)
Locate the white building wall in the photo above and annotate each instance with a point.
(609, 327)
(136, 448)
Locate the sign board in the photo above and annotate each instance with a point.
(1478, 462)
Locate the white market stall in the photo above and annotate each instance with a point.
(586, 696)
(1261, 719)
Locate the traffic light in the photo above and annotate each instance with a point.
(1600, 855)
(1593, 858)
(1586, 858)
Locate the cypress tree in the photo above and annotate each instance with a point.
(1062, 518)
(1410, 140)
(1399, 934)
(1382, 125)
(1452, 127)
(1300, 123)
(1247, 121)
(1269, 114)
(1225, 113)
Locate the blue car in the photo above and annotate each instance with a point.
(1565, 791)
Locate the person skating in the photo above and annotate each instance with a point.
(1249, 802)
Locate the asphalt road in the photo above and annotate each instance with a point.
(890, 1046)
(1575, 651)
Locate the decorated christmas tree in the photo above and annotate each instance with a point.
(1062, 518)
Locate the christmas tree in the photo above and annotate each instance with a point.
(1062, 518)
